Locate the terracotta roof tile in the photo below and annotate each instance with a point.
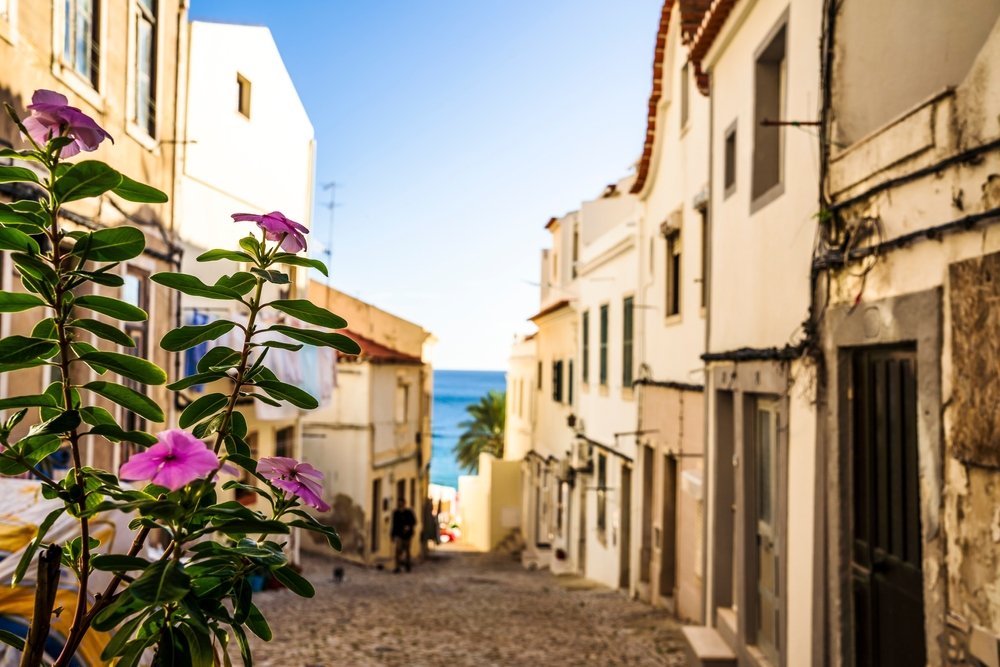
(642, 172)
(377, 352)
(559, 305)
(711, 25)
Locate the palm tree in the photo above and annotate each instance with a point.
(484, 432)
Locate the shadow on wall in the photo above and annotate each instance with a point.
(349, 521)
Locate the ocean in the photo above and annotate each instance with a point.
(453, 391)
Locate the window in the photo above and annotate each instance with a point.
(604, 345)
(602, 493)
(673, 305)
(284, 442)
(402, 403)
(703, 213)
(576, 248)
(135, 291)
(557, 378)
(769, 94)
(243, 94)
(401, 491)
(685, 94)
(766, 592)
(729, 162)
(144, 114)
(81, 37)
(539, 375)
(585, 347)
(569, 384)
(627, 328)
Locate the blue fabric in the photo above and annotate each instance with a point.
(194, 354)
(309, 362)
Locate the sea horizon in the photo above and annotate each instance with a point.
(454, 390)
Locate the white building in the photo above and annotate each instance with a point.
(608, 282)
(239, 99)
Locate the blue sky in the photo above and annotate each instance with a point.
(454, 129)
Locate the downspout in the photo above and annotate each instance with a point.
(182, 49)
(821, 642)
(707, 508)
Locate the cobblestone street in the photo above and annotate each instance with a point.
(461, 609)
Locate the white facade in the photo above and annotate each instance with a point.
(608, 283)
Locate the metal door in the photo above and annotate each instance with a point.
(886, 552)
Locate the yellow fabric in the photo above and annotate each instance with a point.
(20, 601)
(14, 537)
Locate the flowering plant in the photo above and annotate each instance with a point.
(183, 606)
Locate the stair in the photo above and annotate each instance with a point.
(705, 647)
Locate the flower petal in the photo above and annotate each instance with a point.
(241, 217)
(43, 96)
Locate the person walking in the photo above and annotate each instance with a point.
(403, 523)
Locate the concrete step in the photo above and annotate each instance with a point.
(705, 647)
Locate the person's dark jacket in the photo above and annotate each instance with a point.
(403, 522)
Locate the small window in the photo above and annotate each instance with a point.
(144, 102)
(284, 442)
(585, 346)
(81, 37)
(673, 305)
(569, 383)
(729, 162)
(685, 94)
(703, 214)
(539, 376)
(576, 249)
(604, 346)
(243, 94)
(402, 403)
(769, 95)
(627, 334)
(557, 379)
(602, 493)
(135, 291)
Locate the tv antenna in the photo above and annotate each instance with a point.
(330, 187)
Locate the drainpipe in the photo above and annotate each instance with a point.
(706, 613)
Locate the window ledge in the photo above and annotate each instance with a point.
(603, 390)
(628, 394)
(671, 320)
(78, 85)
(142, 138)
(767, 197)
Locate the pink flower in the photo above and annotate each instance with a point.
(176, 460)
(299, 479)
(278, 228)
(51, 116)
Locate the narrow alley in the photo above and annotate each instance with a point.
(461, 609)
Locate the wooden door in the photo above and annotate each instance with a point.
(886, 550)
(767, 612)
(625, 521)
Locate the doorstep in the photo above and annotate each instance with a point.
(705, 647)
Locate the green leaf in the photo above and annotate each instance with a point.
(45, 329)
(194, 287)
(33, 267)
(131, 367)
(240, 282)
(97, 416)
(15, 302)
(117, 643)
(286, 392)
(115, 244)
(101, 277)
(184, 337)
(307, 311)
(162, 582)
(295, 260)
(17, 175)
(130, 399)
(90, 178)
(105, 331)
(29, 551)
(19, 155)
(10, 639)
(241, 640)
(111, 307)
(118, 563)
(294, 582)
(231, 255)
(139, 192)
(319, 338)
(192, 380)
(257, 624)
(35, 400)
(13, 239)
(238, 424)
(80, 348)
(276, 277)
(331, 533)
(292, 347)
(61, 423)
(115, 433)
(21, 349)
(202, 408)
(219, 356)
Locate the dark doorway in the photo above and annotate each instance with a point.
(376, 513)
(646, 548)
(668, 546)
(626, 523)
(886, 548)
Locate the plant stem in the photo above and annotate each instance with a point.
(46, 587)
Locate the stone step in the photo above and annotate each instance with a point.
(705, 647)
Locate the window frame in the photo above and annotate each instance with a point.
(673, 268)
(143, 130)
(628, 342)
(685, 95)
(605, 322)
(601, 477)
(244, 96)
(585, 347)
(765, 65)
(730, 160)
